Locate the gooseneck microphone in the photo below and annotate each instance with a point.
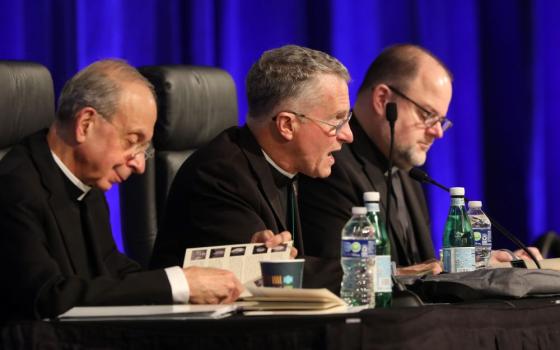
(423, 177)
(391, 115)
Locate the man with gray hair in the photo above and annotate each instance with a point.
(57, 246)
(243, 181)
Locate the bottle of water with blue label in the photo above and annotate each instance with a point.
(482, 234)
(458, 243)
(358, 260)
(383, 282)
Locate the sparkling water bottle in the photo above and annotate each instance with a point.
(482, 234)
(357, 258)
(458, 243)
(383, 282)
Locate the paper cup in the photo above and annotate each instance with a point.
(282, 273)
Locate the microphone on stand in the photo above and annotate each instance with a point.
(391, 115)
(423, 177)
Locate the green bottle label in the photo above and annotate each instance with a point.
(459, 259)
(383, 274)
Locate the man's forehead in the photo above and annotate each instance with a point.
(137, 108)
(327, 88)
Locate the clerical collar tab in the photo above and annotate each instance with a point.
(280, 170)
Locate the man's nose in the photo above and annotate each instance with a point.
(137, 163)
(436, 131)
(345, 134)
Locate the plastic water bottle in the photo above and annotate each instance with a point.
(383, 282)
(458, 243)
(358, 260)
(482, 234)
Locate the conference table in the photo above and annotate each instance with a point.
(488, 324)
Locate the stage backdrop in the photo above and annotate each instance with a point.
(504, 56)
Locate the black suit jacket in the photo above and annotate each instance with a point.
(49, 260)
(222, 194)
(326, 206)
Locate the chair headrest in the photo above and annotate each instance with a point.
(194, 105)
(26, 100)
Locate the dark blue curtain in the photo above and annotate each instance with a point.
(503, 55)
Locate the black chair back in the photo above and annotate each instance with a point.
(26, 101)
(194, 105)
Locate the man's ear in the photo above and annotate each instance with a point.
(379, 98)
(286, 125)
(83, 123)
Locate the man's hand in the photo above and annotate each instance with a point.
(271, 240)
(428, 267)
(499, 256)
(212, 286)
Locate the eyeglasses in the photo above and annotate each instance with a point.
(335, 128)
(144, 149)
(148, 152)
(429, 118)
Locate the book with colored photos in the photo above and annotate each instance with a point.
(241, 259)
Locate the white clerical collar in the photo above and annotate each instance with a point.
(394, 169)
(82, 186)
(280, 170)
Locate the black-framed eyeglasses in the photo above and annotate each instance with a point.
(335, 128)
(429, 118)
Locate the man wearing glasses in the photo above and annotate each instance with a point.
(420, 85)
(58, 250)
(245, 180)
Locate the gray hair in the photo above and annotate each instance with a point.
(397, 65)
(284, 73)
(98, 86)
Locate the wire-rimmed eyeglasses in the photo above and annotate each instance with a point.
(145, 149)
(335, 128)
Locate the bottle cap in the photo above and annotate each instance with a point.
(359, 211)
(457, 191)
(475, 204)
(371, 196)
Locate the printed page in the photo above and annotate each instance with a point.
(241, 259)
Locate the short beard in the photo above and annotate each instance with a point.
(407, 157)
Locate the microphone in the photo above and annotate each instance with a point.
(423, 177)
(391, 115)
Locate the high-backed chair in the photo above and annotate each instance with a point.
(194, 105)
(26, 101)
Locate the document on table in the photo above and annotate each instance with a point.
(296, 301)
(241, 259)
(147, 312)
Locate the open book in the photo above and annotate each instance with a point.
(265, 301)
(244, 261)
